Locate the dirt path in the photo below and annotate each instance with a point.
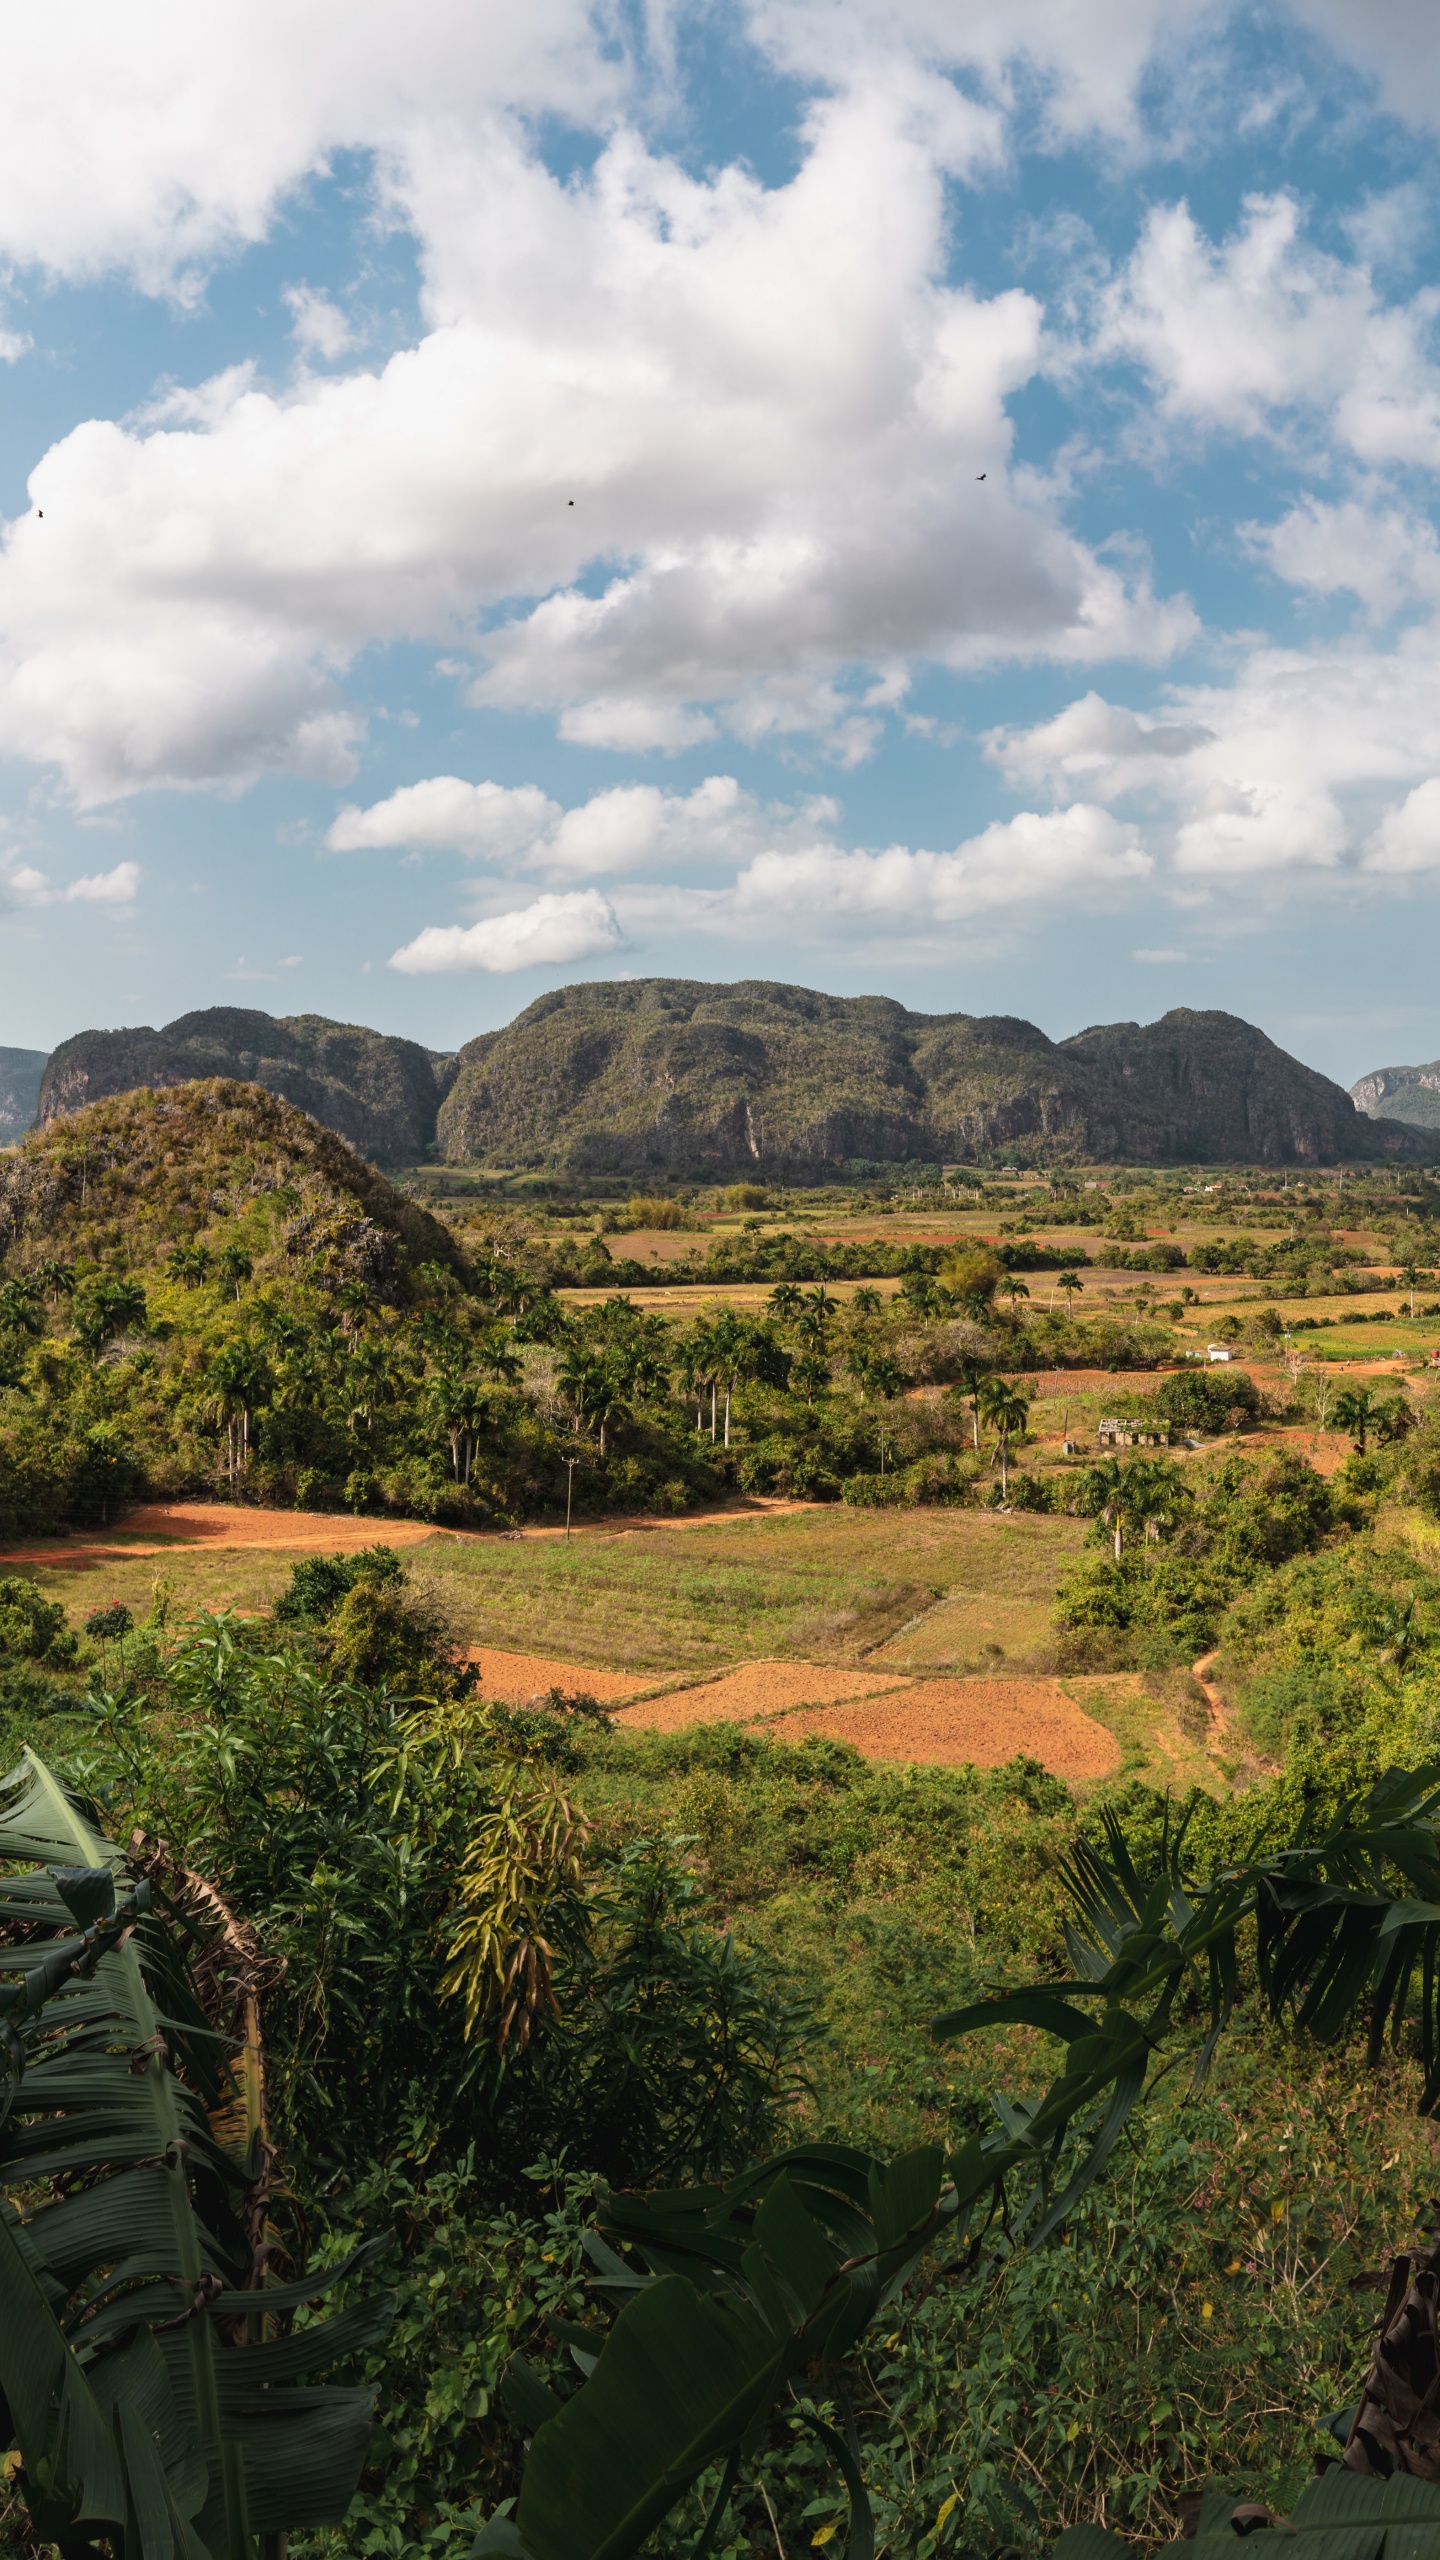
(1220, 1726)
(153, 1528)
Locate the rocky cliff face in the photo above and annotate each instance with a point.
(670, 1076)
(380, 1093)
(20, 1074)
(1411, 1094)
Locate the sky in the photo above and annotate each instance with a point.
(899, 498)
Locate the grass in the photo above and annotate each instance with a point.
(827, 1585)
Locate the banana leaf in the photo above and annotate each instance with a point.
(157, 2408)
(783, 2271)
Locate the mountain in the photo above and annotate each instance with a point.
(125, 1180)
(1411, 1094)
(669, 1076)
(379, 1092)
(20, 1074)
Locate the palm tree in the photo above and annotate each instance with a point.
(811, 1375)
(1103, 1489)
(867, 1302)
(1155, 1494)
(20, 1308)
(1410, 1276)
(1014, 1288)
(785, 1301)
(235, 1266)
(189, 1263)
(1355, 1411)
(459, 1406)
(1071, 1283)
(1006, 1407)
(57, 1279)
(237, 1378)
(969, 1383)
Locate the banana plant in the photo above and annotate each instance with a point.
(744, 2291)
(159, 2411)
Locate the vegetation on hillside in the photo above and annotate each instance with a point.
(662, 1075)
(514, 1965)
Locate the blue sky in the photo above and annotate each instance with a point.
(814, 490)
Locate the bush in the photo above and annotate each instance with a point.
(1206, 1399)
(32, 1627)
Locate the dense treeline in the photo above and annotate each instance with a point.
(204, 1294)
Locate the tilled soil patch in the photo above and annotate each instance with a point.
(754, 1693)
(515, 1678)
(982, 1722)
(153, 1527)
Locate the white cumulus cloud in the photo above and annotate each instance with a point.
(21, 885)
(553, 931)
(633, 826)
(767, 404)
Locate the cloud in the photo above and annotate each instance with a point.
(1387, 557)
(1159, 959)
(1407, 839)
(484, 819)
(1060, 855)
(1287, 767)
(768, 405)
(22, 886)
(158, 143)
(625, 829)
(552, 932)
(319, 327)
(1242, 335)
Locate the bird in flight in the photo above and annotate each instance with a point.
(979, 476)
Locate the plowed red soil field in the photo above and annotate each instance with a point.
(515, 1678)
(984, 1722)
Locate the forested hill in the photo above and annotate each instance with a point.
(379, 1092)
(129, 1180)
(664, 1075)
(667, 1076)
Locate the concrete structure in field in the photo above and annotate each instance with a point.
(1219, 1351)
(1114, 1434)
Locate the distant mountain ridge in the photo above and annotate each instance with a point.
(20, 1074)
(674, 1078)
(380, 1092)
(1411, 1094)
(668, 1076)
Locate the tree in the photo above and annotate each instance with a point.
(21, 1310)
(1155, 1495)
(236, 1380)
(56, 1278)
(190, 1264)
(813, 1322)
(1104, 1493)
(1355, 1411)
(461, 1408)
(1410, 1276)
(1072, 1284)
(1006, 1407)
(1013, 1287)
(867, 1302)
(235, 1267)
(103, 1308)
(785, 1301)
(810, 1375)
(969, 1383)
